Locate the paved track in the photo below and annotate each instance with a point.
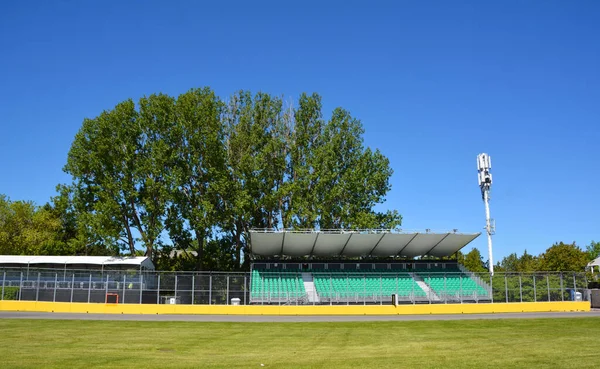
(272, 318)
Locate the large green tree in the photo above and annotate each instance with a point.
(26, 229)
(593, 250)
(118, 161)
(564, 257)
(194, 174)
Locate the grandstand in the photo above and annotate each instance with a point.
(360, 267)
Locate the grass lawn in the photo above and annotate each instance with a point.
(518, 343)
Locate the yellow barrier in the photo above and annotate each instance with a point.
(65, 307)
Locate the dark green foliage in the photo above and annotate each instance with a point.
(190, 176)
(10, 293)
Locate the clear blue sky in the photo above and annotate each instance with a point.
(434, 83)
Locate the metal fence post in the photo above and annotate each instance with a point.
(72, 286)
(506, 287)
(3, 281)
(106, 289)
(158, 290)
(246, 289)
(534, 290)
(124, 284)
(193, 285)
(574, 284)
(380, 290)
(520, 288)
(210, 289)
(90, 288)
(562, 291)
(37, 287)
(55, 283)
(548, 284)
(460, 291)
(227, 302)
(141, 286)
(21, 286)
(176, 280)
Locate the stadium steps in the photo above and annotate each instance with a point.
(430, 293)
(476, 278)
(309, 287)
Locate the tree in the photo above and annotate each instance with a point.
(562, 257)
(26, 229)
(194, 175)
(473, 261)
(198, 170)
(255, 143)
(117, 161)
(593, 250)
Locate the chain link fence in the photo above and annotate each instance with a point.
(224, 288)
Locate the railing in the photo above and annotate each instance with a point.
(223, 288)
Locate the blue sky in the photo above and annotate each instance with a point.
(434, 83)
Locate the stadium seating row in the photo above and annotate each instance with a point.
(364, 284)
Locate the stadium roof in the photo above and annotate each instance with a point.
(357, 243)
(138, 261)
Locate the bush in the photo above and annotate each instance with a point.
(10, 293)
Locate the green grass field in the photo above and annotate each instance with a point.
(510, 343)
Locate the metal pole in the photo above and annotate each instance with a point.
(492, 286)
(210, 289)
(380, 290)
(548, 284)
(37, 287)
(3, 281)
(55, 283)
(106, 289)
(90, 288)
(193, 285)
(520, 289)
(562, 291)
(246, 289)
(506, 287)
(124, 283)
(72, 286)
(141, 286)
(227, 302)
(534, 290)
(460, 291)
(158, 290)
(176, 280)
(21, 283)
(574, 285)
(486, 200)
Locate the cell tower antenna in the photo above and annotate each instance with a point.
(484, 165)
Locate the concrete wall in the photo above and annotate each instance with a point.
(60, 307)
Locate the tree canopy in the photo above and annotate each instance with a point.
(195, 173)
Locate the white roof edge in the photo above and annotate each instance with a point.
(78, 260)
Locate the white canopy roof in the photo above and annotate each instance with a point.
(357, 243)
(595, 262)
(139, 261)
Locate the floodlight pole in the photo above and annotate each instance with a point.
(484, 164)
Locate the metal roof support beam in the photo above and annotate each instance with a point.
(434, 246)
(346, 244)
(405, 246)
(282, 243)
(377, 244)
(314, 244)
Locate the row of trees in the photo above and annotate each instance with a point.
(195, 173)
(559, 257)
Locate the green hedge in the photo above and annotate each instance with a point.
(10, 293)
